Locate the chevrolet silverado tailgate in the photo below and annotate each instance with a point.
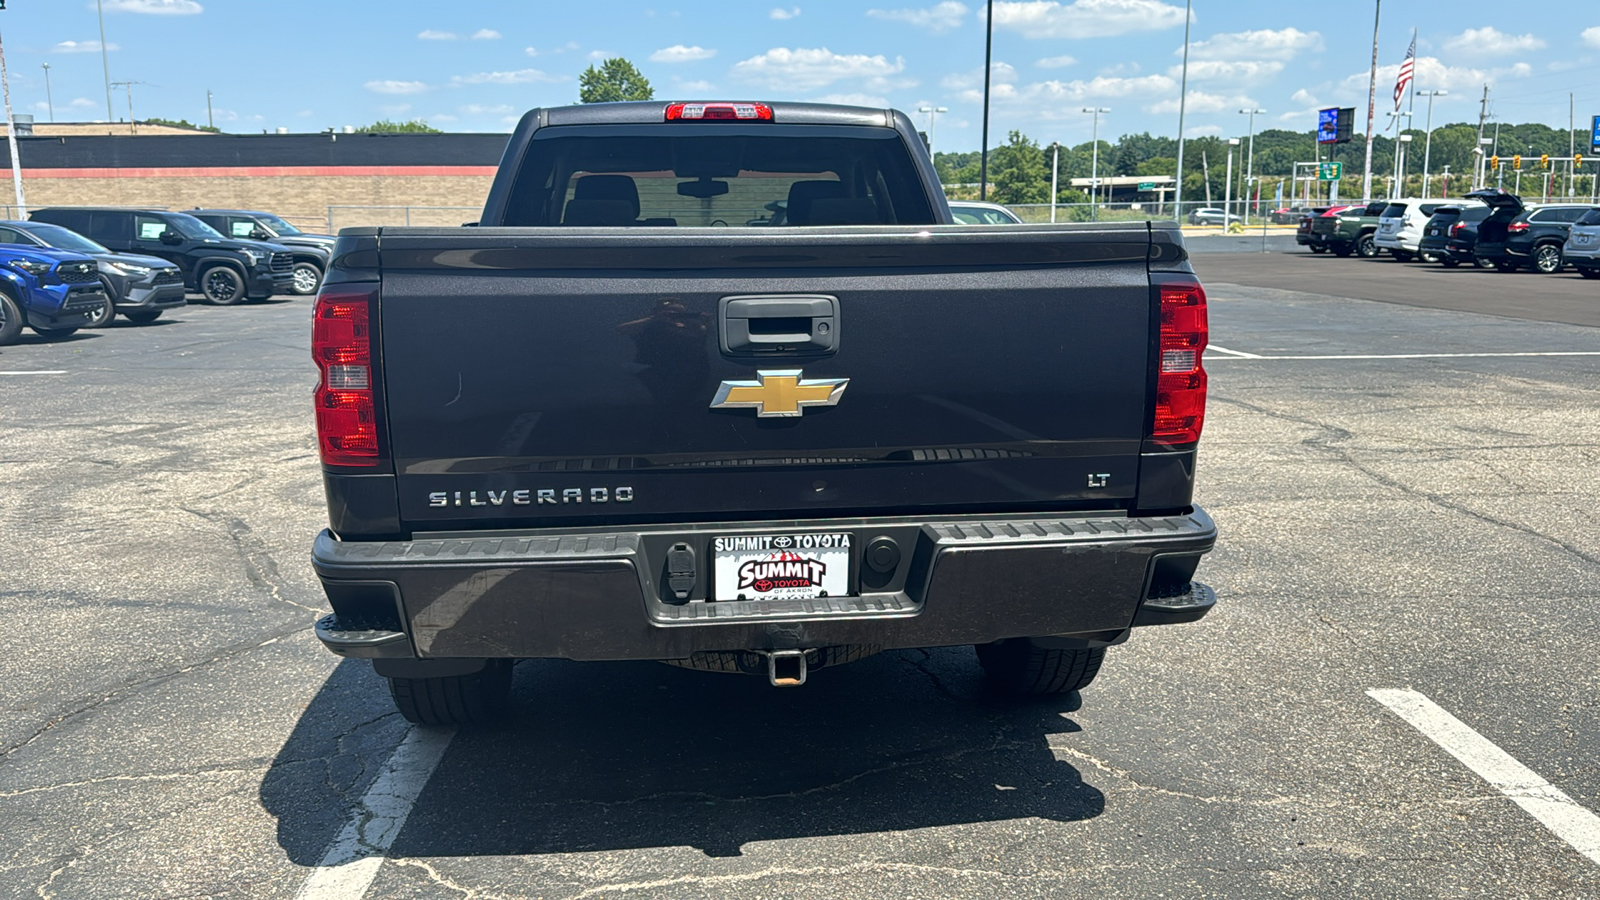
(539, 376)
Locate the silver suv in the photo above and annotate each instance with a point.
(1582, 249)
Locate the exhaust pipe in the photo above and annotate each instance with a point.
(786, 668)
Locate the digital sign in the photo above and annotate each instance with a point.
(1594, 137)
(1334, 125)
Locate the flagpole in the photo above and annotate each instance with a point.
(1372, 100)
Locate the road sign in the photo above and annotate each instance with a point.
(1147, 185)
(1594, 136)
(1330, 171)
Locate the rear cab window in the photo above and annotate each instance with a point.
(717, 175)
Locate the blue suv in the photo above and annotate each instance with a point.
(54, 292)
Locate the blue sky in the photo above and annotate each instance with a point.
(475, 65)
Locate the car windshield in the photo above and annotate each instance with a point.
(64, 239)
(278, 225)
(192, 228)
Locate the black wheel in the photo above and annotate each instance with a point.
(1428, 257)
(1018, 667)
(105, 314)
(54, 334)
(307, 278)
(1366, 247)
(222, 286)
(11, 320)
(1547, 259)
(1589, 273)
(1482, 262)
(1505, 265)
(1316, 249)
(455, 700)
(1402, 255)
(144, 316)
(1449, 262)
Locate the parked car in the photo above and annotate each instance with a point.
(969, 212)
(54, 292)
(1445, 222)
(1516, 236)
(225, 271)
(1351, 230)
(1304, 234)
(311, 251)
(1212, 216)
(1583, 245)
(140, 287)
(1462, 243)
(1290, 215)
(711, 505)
(1401, 224)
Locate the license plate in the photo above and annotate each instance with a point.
(781, 566)
(1580, 239)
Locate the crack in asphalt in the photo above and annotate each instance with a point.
(1124, 774)
(259, 566)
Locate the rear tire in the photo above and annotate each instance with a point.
(144, 316)
(1547, 259)
(1366, 246)
(54, 334)
(1449, 262)
(105, 315)
(1316, 249)
(1505, 265)
(455, 700)
(1018, 667)
(307, 278)
(1401, 255)
(223, 286)
(1343, 252)
(10, 320)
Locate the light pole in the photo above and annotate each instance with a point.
(1405, 153)
(1250, 159)
(11, 136)
(1427, 147)
(1394, 176)
(1483, 162)
(49, 101)
(1055, 170)
(212, 123)
(105, 60)
(1444, 186)
(1094, 165)
(1183, 98)
(988, 70)
(932, 112)
(1227, 191)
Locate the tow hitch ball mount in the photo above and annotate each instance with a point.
(786, 668)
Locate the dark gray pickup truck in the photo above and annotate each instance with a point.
(619, 421)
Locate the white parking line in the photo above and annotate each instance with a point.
(1539, 798)
(353, 858)
(39, 372)
(1239, 355)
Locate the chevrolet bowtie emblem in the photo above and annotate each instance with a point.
(779, 393)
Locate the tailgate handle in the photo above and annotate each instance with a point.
(792, 325)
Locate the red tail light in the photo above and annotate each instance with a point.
(1516, 227)
(341, 345)
(729, 112)
(1180, 377)
(1455, 230)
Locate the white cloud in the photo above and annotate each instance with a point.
(1202, 102)
(1056, 62)
(520, 76)
(1489, 41)
(853, 99)
(486, 34)
(156, 7)
(1431, 74)
(531, 51)
(431, 35)
(601, 55)
(1059, 99)
(678, 53)
(1263, 44)
(696, 87)
(780, 14)
(441, 117)
(479, 109)
(999, 73)
(1591, 36)
(1085, 18)
(396, 109)
(1205, 131)
(74, 103)
(396, 87)
(939, 18)
(81, 47)
(806, 70)
(1222, 70)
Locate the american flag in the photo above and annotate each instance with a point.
(1404, 79)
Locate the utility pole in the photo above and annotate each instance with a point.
(1250, 164)
(133, 127)
(1572, 144)
(212, 123)
(1483, 116)
(1372, 99)
(1183, 100)
(49, 101)
(1055, 171)
(11, 135)
(1427, 149)
(988, 65)
(1227, 189)
(1094, 165)
(105, 60)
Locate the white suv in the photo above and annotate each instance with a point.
(1401, 223)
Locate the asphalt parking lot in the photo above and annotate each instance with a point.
(1406, 498)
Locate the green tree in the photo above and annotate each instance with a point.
(384, 126)
(181, 123)
(1019, 171)
(614, 80)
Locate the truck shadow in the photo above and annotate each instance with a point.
(616, 756)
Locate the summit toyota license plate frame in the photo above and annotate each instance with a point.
(781, 566)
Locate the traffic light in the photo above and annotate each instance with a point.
(1516, 161)
(1577, 159)
(1494, 162)
(1544, 160)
